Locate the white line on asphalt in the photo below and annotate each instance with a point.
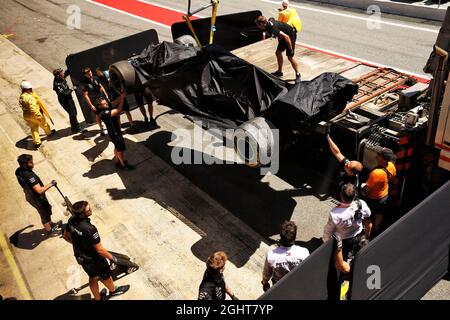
(7, 137)
(130, 14)
(358, 18)
(421, 76)
(300, 43)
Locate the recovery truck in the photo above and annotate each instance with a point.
(368, 105)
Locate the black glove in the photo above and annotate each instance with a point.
(266, 286)
(53, 183)
(114, 259)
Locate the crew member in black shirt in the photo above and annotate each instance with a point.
(125, 107)
(213, 285)
(65, 99)
(93, 92)
(34, 191)
(286, 36)
(89, 252)
(110, 118)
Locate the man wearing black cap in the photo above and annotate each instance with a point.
(377, 185)
(65, 99)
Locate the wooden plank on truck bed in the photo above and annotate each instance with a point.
(312, 63)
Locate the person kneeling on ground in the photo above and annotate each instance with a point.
(109, 116)
(89, 252)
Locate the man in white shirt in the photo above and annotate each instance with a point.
(346, 221)
(286, 257)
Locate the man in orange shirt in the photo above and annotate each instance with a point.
(377, 185)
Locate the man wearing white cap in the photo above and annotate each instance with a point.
(284, 4)
(33, 113)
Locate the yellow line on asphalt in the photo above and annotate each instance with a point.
(14, 268)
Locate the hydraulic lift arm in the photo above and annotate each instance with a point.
(214, 4)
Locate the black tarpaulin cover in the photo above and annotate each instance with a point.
(215, 84)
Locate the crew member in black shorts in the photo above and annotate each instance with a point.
(139, 96)
(34, 191)
(93, 92)
(286, 36)
(89, 252)
(109, 116)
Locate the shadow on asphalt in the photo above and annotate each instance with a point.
(116, 274)
(26, 144)
(70, 295)
(28, 240)
(236, 187)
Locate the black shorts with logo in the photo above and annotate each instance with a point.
(282, 45)
(98, 267)
(45, 211)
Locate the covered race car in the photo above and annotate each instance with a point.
(221, 88)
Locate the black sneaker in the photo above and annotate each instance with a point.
(153, 122)
(277, 74)
(129, 166)
(56, 225)
(126, 166)
(53, 233)
(298, 78)
(103, 295)
(119, 290)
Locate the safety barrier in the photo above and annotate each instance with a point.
(404, 262)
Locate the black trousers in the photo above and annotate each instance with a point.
(351, 246)
(69, 105)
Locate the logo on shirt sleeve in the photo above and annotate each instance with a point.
(95, 235)
(32, 180)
